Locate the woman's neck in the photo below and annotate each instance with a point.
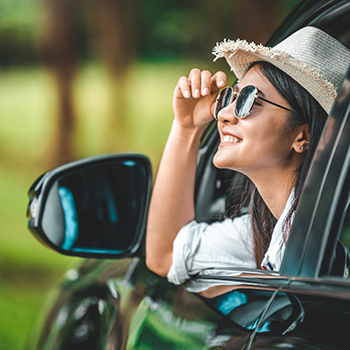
(275, 191)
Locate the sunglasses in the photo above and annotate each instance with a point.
(244, 99)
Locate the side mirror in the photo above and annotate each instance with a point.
(94, 207)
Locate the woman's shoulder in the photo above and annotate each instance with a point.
(232, 230)
(227, 231)
(240, 223)
(237, 224)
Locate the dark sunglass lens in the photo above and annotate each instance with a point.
(223, 100)
(245, 101)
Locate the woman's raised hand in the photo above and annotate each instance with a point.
(193, 103)
(194, 97)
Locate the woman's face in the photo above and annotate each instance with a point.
(262, 142)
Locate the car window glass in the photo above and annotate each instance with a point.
(342, 257)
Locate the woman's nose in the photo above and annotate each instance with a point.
(227, 115)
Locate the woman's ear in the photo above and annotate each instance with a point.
(301, 141)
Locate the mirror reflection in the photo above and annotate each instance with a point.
(97, 208)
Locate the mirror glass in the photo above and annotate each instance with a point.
(96, 208)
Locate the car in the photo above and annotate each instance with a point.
(96, 208)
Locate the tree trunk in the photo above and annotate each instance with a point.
(60, 50)
(115, 23)
(256, 19)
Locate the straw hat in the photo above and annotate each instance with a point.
(314, 59)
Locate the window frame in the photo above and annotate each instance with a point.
(316, 226)
(317, 222)
(311, 234)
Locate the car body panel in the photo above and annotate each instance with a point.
(129, 307)
(122, 305)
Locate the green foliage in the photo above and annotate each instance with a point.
(165, 29)
(27, 269)
(19, 20)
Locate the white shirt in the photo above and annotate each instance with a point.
(207, 249)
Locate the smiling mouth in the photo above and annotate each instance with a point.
(231, 139)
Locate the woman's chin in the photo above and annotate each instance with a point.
(220, 161)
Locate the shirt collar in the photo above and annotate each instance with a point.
(273, 257)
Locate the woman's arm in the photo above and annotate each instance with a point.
(172, 203)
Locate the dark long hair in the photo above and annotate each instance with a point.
(304, 110)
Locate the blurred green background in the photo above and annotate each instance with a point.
(80, 78)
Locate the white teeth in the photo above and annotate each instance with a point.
(231, 139)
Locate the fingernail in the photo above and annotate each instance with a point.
(221, 83)
(196, 93)
(206, 91)
(187, 94)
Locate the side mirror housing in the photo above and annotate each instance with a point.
(94, 207)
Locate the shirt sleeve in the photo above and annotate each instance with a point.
(200, 246)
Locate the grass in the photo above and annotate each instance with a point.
(27, 269)
(27, 104)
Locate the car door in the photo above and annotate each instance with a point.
(122, 305)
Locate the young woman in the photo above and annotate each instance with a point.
(269, 123)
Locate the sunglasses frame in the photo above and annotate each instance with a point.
(234, 97)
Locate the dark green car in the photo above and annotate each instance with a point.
(97, 208)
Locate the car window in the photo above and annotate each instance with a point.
(336, 259)
(341, 255)
(218, 191)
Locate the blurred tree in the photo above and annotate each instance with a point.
(256, 20)
(171, 30)
(60, 49)
(18, 32)
(158, 30)
(116, 38)
(62, 46)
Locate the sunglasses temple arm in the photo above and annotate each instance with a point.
(273, 103)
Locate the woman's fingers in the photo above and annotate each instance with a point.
(206, 82)
(218, 80)
(200, 83)
(183, 88)
(190, 86)
(195, 81)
